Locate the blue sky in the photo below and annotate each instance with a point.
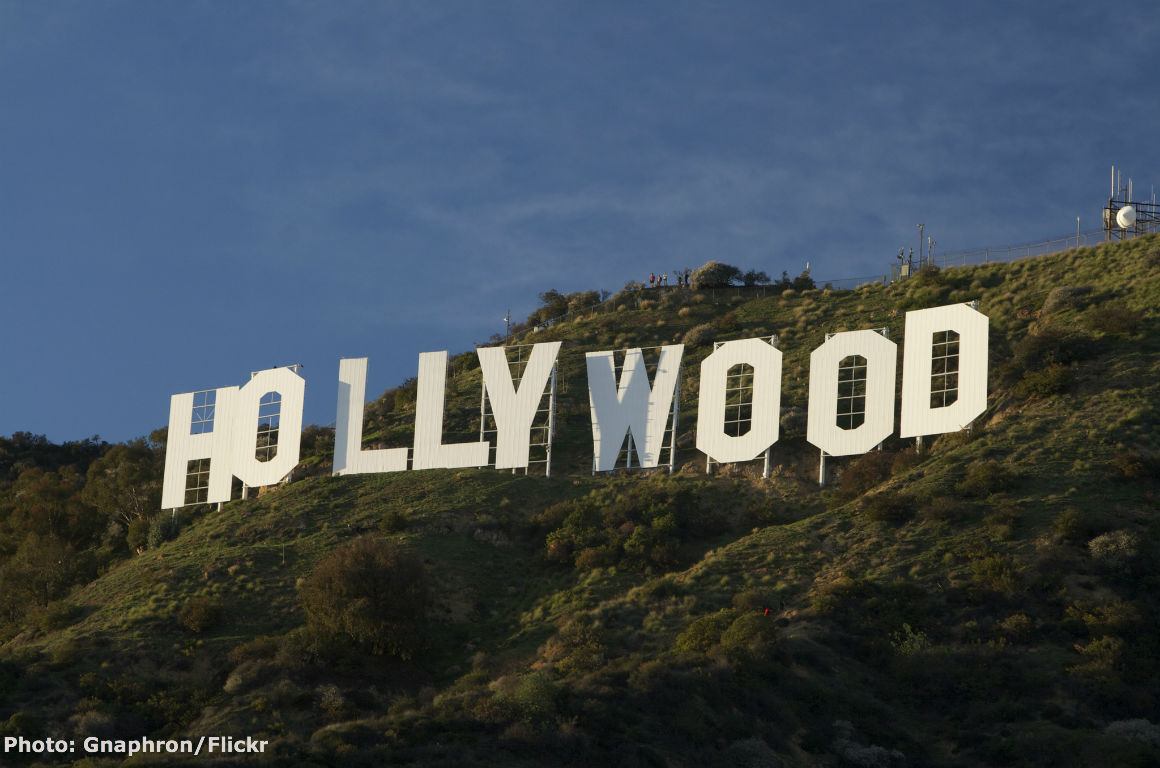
(190, 191)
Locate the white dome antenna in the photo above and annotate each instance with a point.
(1126, 217)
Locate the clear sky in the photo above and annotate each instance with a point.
(190, 191)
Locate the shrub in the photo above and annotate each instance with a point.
(1016, 628)
(865, 472)
(370, 593)
(706, 631)
(754, 600)
(749, 630)
(727, 322)
(996, 572)
(1050, 345)
(1065, 297)
(200, 614)
(1003, 521)
(700, 335)
(264, 647)
(944, 509)
(1049, 381)
(904, 460)
(137, 537)
(1135, 730)
(579, 645)
(1115, 550)
(907, 642)
(393, 521)
(1134, 465)
(890, 507)
(1071, 525)
(162, 529)
(59, 614)
(1114, 319)
(983, 478)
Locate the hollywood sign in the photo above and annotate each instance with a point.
(217, 435)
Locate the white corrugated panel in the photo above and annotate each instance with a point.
(633, 405)
(349, 458)
(430, 451)
(918, 417)
(766, 404)
(822, 427)
(181, 448)
(515, 410)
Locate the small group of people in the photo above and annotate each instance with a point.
(662, 280)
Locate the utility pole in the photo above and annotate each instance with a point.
(920, 262)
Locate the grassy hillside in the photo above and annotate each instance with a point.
(990, 601)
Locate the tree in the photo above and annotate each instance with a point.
(51, 504)
(752, 278)
(370, 593)
(714, 274)
(803, 281)
(125, 483)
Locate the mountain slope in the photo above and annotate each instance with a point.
(989, 601)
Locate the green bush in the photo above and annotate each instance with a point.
(865, 472)
(1071, 525)
(200, 614)
(996, 572)
(889, 507)
(163, 528)
(1065, 297)
(700, 335)
(983, 478)
(1050, 346)
(1135, 465)
(1111, 318)
(1003, 522)
(1052, 380)
(706, 631)
(393, 521)
(579, 645)
(137, 537)
(944, 509)
(749, 630)
(58, 615)
(372, 594)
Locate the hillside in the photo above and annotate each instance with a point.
(988, 601)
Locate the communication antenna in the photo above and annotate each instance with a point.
(1126, 217)
(507, 319)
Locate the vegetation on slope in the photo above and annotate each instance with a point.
(989, 601)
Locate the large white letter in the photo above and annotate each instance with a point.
(515, 410)
(291, 391)
(221, 425)
(822, 427)
(349, 458)
(206, 437)
(919, 415)
(766, 401)
(635, 406)
(430, 451)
